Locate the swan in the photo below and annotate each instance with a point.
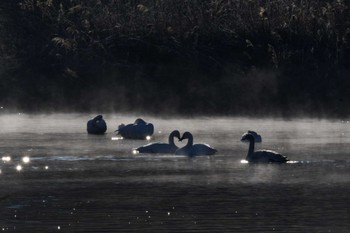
(159, 147)
(261, 156)
(96, 125)
(194, 149)
(137, 130)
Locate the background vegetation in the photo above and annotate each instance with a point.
(263, 57)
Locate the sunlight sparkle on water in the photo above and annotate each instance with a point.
(26, 159)
(148, 138)
(6, 158)
(116, 138)
(19, 168)
(135, 152)
(244, 161)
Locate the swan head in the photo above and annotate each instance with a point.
(247, 137)
(186, 135)
(140, 121)
(257, 136)
(176, 133)
(98, 118)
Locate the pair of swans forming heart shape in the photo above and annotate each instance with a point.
(189, 149)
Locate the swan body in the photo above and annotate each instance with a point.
(96, 125)
(137, 130)
(261, 156)
(159, 147)
(191, 149)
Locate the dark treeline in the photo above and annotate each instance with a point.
(246, 57)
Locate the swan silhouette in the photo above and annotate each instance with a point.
(191, 149)
(160, 147)
(261, 156)
(138, 130)
(96, 125)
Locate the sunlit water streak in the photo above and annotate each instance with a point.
(73, 182)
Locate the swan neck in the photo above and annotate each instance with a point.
(171, 139)
(251, 148)
(190, 140)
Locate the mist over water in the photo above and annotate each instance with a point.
(74, 182)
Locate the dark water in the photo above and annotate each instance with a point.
(76, 182)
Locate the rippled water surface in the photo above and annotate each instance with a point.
(76, 182)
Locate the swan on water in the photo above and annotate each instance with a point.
(160, 147)
(96, 125)
(137, 130)
(194, 149)
(261, 156)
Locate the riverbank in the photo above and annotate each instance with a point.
(197, 57)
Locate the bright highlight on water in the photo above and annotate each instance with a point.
(19, 168)
(26, 159)
(6, 158)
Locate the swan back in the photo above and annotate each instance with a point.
(96, 125)
(140, 121)
(157, 148)
(138, 130)
(266, 156)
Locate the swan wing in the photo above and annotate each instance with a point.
(203, 149)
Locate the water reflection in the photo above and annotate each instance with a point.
(117, 138)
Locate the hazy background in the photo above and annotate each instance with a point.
(279, 58)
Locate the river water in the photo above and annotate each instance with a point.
(54, 177)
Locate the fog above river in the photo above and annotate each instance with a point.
(299, 139)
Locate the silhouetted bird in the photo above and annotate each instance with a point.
(160, 147)
(194, 149)
(97, 125)
(261, 156)
(138, 130)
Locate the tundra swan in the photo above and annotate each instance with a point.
(194, 149)
(96, 125)
(137, 130)
(261, 156)
(160, 147)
